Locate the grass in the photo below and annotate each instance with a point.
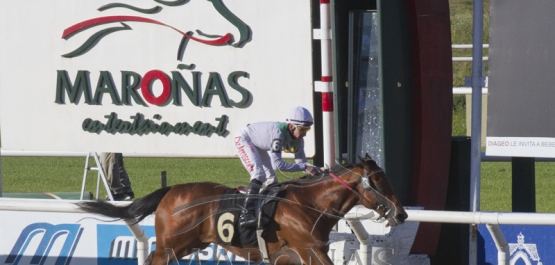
(65, 174)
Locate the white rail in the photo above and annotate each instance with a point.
(467, 46)
(491, 219)
(467, 59)
(467, 90)
(4, 152)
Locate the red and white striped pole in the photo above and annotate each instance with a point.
(325, 86)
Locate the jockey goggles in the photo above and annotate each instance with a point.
(303, 129)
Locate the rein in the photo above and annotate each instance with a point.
(365, 179)
(340, 181)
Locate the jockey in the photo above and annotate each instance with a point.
(259, 146)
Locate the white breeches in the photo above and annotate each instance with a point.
(256, 161)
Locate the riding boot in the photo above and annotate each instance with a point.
(247, 217)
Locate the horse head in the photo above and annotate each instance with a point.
(233, 32)
(378, 194)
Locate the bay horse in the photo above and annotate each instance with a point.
(299, 232)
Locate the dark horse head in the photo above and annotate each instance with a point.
(378, 194)
(348, 185)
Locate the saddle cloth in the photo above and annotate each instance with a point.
(229, 210)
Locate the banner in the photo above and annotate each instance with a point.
(85, 239)
(528, 244)
(520, 85)
(150, 76)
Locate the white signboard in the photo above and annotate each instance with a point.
(521, 146)
(157, 77)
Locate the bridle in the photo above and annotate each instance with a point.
(365, 179)
(366, 186)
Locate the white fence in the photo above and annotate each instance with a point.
(491, 219)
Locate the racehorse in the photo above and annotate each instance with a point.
(298, 233)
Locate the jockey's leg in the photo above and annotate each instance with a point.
(269, 173)
(247, 217)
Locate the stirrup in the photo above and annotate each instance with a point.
(247, 220)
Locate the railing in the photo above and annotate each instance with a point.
(492, 220)
(467, 90)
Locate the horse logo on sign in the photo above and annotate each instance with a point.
(122, 21)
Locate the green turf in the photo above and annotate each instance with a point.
(65, 174)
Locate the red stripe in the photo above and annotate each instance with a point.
(327, 78)
(324, 1)
(327, 101)
(341, 181)
(110, 19)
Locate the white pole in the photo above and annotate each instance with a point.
(325, 86)
(142, 240)
(365, 241)
(503, 251)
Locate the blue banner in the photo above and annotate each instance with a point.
(528, 244)
(117, 246)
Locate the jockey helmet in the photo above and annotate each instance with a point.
(300, 116)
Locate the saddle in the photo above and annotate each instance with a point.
(229, 210)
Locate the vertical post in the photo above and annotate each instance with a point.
(524, 184)
(142, 240)
(1, 178)
(325, 86)
(163, 178)
(476, 125)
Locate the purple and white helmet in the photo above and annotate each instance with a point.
(300, 116)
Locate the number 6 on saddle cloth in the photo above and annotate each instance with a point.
(229, 210)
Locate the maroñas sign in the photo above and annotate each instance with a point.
(154, 77)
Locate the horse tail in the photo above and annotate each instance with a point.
(137, 210)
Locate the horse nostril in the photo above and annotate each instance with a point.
(402, 216)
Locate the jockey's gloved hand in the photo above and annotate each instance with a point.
(313, 170)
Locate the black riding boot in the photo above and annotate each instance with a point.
(247, 217)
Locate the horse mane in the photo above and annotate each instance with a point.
(309, 179)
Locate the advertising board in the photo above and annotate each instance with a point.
(520, 85)
(150, 76)
(528, 244)
(84, 239)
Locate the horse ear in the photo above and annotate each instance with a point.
(368, 157)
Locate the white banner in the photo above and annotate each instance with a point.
(159, 77)
(520, 146)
